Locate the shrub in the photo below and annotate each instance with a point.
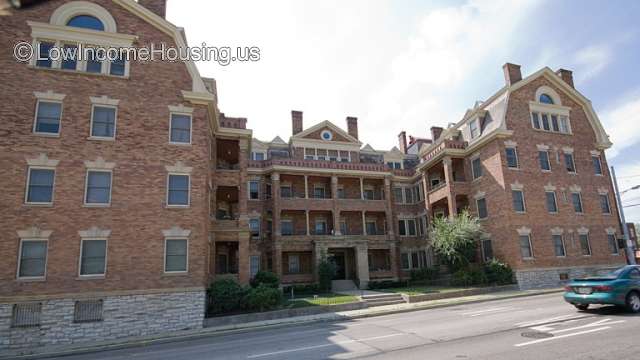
(299, 290)
(225, 295)
(263, 298)
(386, 284)
(498, 273)
(427, 273)
(469, 276)
(326, 273)
(266, 278)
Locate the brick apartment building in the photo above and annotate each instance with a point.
(126, 191)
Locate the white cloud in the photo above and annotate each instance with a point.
(591, 60)
(629, 176)
(623, 125)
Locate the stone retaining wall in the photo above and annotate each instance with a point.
(549, 278)
(454, 294)
(123, 316)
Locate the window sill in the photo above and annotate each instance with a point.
(31, 279)
(45, 205)
(101, 138)
(599, 174)
(521, 212)
(528, 259)
(545, 171)
(476, 179)
(96, 205)
(514, 168)
(46, 135)
(572, 173)
(79, 72)
(174, 274)
(177, 206)
(180, 143)
(90, 277)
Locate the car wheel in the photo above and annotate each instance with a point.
(633, 302)
(582, 307)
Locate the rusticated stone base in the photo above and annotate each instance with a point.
(556, 277)
(123, 316)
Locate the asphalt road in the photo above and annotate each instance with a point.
(539, 327)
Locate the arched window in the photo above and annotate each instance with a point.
(86, 22)
(546, 99)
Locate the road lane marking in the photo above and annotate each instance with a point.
(485, 311)
(550, 320)
(562, 336)
(321, 346)
(593, 324)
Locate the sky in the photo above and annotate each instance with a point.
(412, 64)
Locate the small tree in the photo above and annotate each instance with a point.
(326, 272)
(456, 239)
(266, 278)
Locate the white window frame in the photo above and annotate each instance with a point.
(35, 117)
(588, 243)
(530, 247)
(606, 196)
(106, 252)
(402, 199)
(473, 172)
(546, 151)
(485, 206)
(181, 113)
(46, 260)
(251, 257)
(524, 202)
(249, 190)
(515, 151)
(164, 259)
(573, 162)
(319, 186)
(115, 123)
(474, 124)
(188, 195)
(615, 243)
(86, 188)
(259, 227)
(581, 203)
(564, 247)
(53, 187)
(600, 164)
(287, 221)
(555, 201)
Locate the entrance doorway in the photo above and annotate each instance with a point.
(339, 262)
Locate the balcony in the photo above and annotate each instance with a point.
(319, 164)
(443, 146)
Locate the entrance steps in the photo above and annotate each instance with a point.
(382, 299)
(343, 285)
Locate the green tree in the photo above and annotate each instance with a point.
(455, 239)
(326, 273)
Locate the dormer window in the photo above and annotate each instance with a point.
(474, 129)
(546, 99)
(86, 22)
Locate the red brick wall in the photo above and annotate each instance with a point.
(137, 215)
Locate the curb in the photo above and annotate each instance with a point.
(212, 332)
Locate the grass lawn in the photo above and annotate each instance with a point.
(321, 300)
(419, 290)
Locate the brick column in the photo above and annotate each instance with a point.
(243, 145)
(388, 207)
(306, 187)
(448, 177)
(362, 263)
(275, 219)
(277, 260)
(393, 260)
(336, 210)
(306, 213)
(425, 186)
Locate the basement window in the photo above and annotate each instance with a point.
(87, 311)
(26, 315)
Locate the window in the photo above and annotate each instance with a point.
(321, 227)
(286, 227)
(543, 158)
(294, 264)
(558, 245)
(285, 191)
(576, 199)
(33, 259)
(258, 156)
(368, 194)
(569, 163)
(552, 204)
(546, 99)
(535, 120)
(254, 190)
(93, 256)
(474, 129)
(411, 225)
(402, 230)
(318, 191)
(326, 135)
(48, 116)
(371, 228)
(482, 208)
(254, 265)
(267, 191)
(178, 194)
(404, 259)
(103, 122)
(476, 168)
(44, 58)
(40, 186)
(613, 244)
(604, 204)
(597, 166)
(341, 194)
(117, 66)
(512, 157)
(180, 129)
(518, 200)
(408, 193)
(94, 65)
(525, 247)
(343, 227)
(397, 195)
(86, 22)
(254, 228)
(69, 57)
(421, 227)
(487, 250)
(564, 125)
(545, 122)
(554, 123)
(26, 315)
(175, 255)
(585, 247)
(87, 311)
(98, 188)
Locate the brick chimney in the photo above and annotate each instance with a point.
(566, 76)
(512, 73)
(352, 126)
(402, 140)
(159, 7)
(296, 121)
(436, 131)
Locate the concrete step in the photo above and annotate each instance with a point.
(382, 299)
(384, 302)
(343, 285)
(381, 296)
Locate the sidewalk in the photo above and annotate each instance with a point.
(213, 331)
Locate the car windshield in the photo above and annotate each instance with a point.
(619, 271)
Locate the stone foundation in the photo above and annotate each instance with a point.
(556, 277)
(122, 316)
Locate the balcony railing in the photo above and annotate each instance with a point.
(437, 186)
(224, 166)
(444, 145)
(319, 164)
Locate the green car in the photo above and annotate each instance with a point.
(621, 288)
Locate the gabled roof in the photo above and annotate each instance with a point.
(278, 140)
(330, 125)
